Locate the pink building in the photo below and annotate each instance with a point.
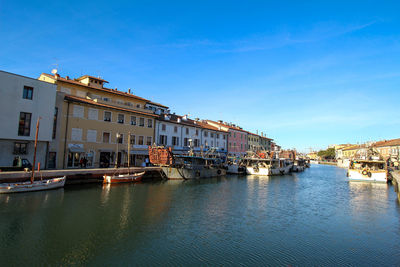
(237, 137)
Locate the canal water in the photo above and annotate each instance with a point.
(312, 218)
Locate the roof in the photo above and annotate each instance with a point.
(104, 89)
(353, 147)
(392, 142)
(228, 126)
(92, 77)
(188, 122)
(157, 104)
(94, 103)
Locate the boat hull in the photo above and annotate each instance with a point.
(376, 176)
(173, 173)
(53, 183)
(261, 171)
(235, 169)
(122, 178)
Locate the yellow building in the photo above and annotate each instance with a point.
(312, 155)
(88, 119)
(351, 151)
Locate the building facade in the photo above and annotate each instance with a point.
(237, 137)
(182, 133)
(24, 100)
(93, 123)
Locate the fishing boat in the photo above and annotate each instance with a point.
(368, 170)
(33, 185)
(299, 165)
(267, 167)
(235, 166)
(185, 167)
(123, 177)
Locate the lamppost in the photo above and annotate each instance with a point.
(118, 136)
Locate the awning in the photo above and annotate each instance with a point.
(139, 152)
(76, 150)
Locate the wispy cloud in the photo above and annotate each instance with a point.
(258, 42)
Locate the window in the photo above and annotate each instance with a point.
(175, 129)
(217, 144)
(163, 140)
(28, 93)
(78, 111)
(141, 122)
(93, 114)
(138, 106)
(148, 141)
(186, 142)
(133, 139)
(224, 136)
(196, 142)
(141, 140)
(76, 134)
(212, 135)
(107, 99)
(205, 133)
(217, 135)
(150, 123)
(234, 135)
(121, 118)
(24, 127)
(175, 141)
(230, 144)
(133, 120)
(106, 137)
(241, 146)
(187, 130)
(55, 123)
(20, 148)
(212, 143)
(197, 132)
(91, 136)
(107, 116)
(52, 160)
(163, 127)
(120, 139)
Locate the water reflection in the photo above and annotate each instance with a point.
(310, 218)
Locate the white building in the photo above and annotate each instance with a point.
(23, 100)
(180, 132)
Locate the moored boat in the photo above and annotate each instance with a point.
(185, 167)
(28, 186)
(367, 171)
(123, 178)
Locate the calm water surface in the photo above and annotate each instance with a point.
(312, 218)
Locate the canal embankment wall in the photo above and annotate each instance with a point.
(396, 182)
(78, 176)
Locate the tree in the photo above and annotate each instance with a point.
(327, 154)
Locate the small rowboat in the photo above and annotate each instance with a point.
(35, 186)
(123, 178)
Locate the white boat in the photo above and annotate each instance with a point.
(123, 178)
(35, 186)
(367, 171)
(264, 167)
(314, 161)
(235, 166)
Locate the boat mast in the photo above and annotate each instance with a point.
(34, 154)
(129, 149)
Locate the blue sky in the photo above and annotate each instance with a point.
(307, 74)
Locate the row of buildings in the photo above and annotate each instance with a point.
(83, 119)
(388, 149)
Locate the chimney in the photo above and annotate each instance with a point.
(129, 90)
(67, 77)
